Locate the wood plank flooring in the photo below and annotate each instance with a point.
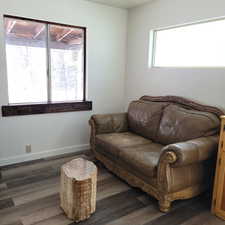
(29, 195)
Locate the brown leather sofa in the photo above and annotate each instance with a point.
(163, 145)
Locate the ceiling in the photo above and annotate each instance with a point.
(121, 3)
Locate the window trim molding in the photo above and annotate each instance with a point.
(42, 108)
(84, 56)
(208, 20)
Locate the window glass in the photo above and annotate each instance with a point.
(66, 54)
(26, 61)
(196, 45)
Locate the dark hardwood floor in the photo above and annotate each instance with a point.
(29, 195)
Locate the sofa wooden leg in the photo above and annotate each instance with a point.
(164, 205)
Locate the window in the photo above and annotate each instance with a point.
(45, 61)
(194, 45)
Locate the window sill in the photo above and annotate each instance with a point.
(42, 108)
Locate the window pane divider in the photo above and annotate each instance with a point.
(48, 57)
(84, 65)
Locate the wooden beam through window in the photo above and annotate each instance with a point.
(64, 35)
(39, 31)
(10, 26)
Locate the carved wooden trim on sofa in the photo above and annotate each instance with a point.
(164, 199)
(186, 103)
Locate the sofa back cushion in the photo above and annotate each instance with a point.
(179, 124)
(144, 117)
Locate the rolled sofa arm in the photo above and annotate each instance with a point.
(193, 151)
(109, 123)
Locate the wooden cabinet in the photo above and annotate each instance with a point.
(218, 205)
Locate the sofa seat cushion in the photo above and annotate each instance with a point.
(179, 124)
(110, 144)
(142, 159)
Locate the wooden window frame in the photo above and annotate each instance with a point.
(50, 107)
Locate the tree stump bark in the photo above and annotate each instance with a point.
(78, 189)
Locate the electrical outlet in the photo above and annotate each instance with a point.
(28, 148)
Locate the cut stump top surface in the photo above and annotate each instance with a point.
(79, 169)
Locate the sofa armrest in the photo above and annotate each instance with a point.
(186, 155)
(193, 151)
(109, 123)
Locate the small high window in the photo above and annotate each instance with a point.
(194, 45)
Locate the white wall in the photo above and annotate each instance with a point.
(203, 85)
(52, 134)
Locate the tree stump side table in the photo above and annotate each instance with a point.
(78, 189)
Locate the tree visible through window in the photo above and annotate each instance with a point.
(45, 61)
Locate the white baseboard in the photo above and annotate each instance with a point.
(44, 154)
